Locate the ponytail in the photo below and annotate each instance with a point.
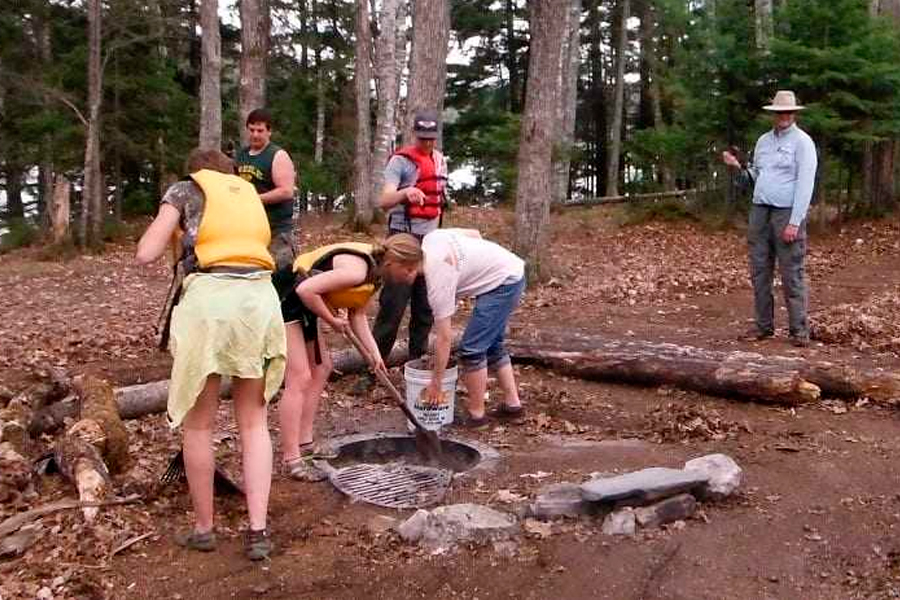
(401, 248)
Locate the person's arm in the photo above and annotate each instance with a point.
(156, 238)
(347, 272)
(359, 323)
(395, 171)
(443, 339)
(283, 176)
(807, 161)
(391, 196)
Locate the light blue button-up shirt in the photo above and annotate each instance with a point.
(784, 171)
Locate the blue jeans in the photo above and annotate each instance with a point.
(482, 343)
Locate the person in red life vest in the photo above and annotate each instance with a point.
(413, 197)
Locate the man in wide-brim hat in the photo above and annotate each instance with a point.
(783, 174)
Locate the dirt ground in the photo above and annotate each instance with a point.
(817, 517)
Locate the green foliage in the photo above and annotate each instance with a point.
(19, 233)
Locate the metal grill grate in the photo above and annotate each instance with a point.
(393, 485)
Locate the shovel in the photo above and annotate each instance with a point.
(428, 444)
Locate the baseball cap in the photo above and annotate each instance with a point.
(425, 125)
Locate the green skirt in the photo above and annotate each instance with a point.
(225, 324)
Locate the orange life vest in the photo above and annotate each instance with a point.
(429, 180)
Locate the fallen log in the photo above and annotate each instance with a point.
(80, 462)
(774, 379)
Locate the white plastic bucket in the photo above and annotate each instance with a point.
(417, 379)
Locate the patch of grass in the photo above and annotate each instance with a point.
(20, 233)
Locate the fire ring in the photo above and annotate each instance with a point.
(461, 456)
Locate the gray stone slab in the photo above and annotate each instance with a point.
(646, 485)
(560, 500)
(676, 508)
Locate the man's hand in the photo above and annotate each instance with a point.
(790, 233)
(433, 393)
(730, 160)
(415, 196)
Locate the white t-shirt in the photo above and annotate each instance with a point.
(458, 265)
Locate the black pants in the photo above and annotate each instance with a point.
(392, 304)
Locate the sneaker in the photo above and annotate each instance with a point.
(800, 341)
(507, 412)
(194, 540)
(756, 335)
(257, 544)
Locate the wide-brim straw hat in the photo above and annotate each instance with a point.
(784, 101)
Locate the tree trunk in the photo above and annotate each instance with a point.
(254, 50)
(400, 58)
(568, 104)
(650, 55)
(386, 85)
(777, 379)
(534, 181)
(428, 62)
(618, 112)
(45, 167)
(59, 210)
(210, 77)
(512, 61)
(93, 198)
(362, 183)
(598, 102)
(764, 24)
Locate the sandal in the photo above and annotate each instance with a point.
(194, 540)
(257, 544)
(302, 469)
(309, 451)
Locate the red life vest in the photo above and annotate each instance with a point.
(428, 180)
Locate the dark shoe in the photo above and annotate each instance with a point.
(507, 412)
(257, 544)
(800, 341)
(476, 424)
(756, 335)
(192, 540)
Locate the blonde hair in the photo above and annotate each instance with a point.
(400, 248)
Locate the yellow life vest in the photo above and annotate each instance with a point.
(234, 230)
(354, 297)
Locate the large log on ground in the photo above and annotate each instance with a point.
(100, 413)
(777, 379)
(80, 462)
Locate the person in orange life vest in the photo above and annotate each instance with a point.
(226, 322)
(330, 279)
(413, 196)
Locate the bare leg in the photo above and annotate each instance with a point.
(476, 384)
(297, 379)
(199, 461)
(313, 393)
(507, 380)
(256, 447)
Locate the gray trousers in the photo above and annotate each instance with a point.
(766, 245)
